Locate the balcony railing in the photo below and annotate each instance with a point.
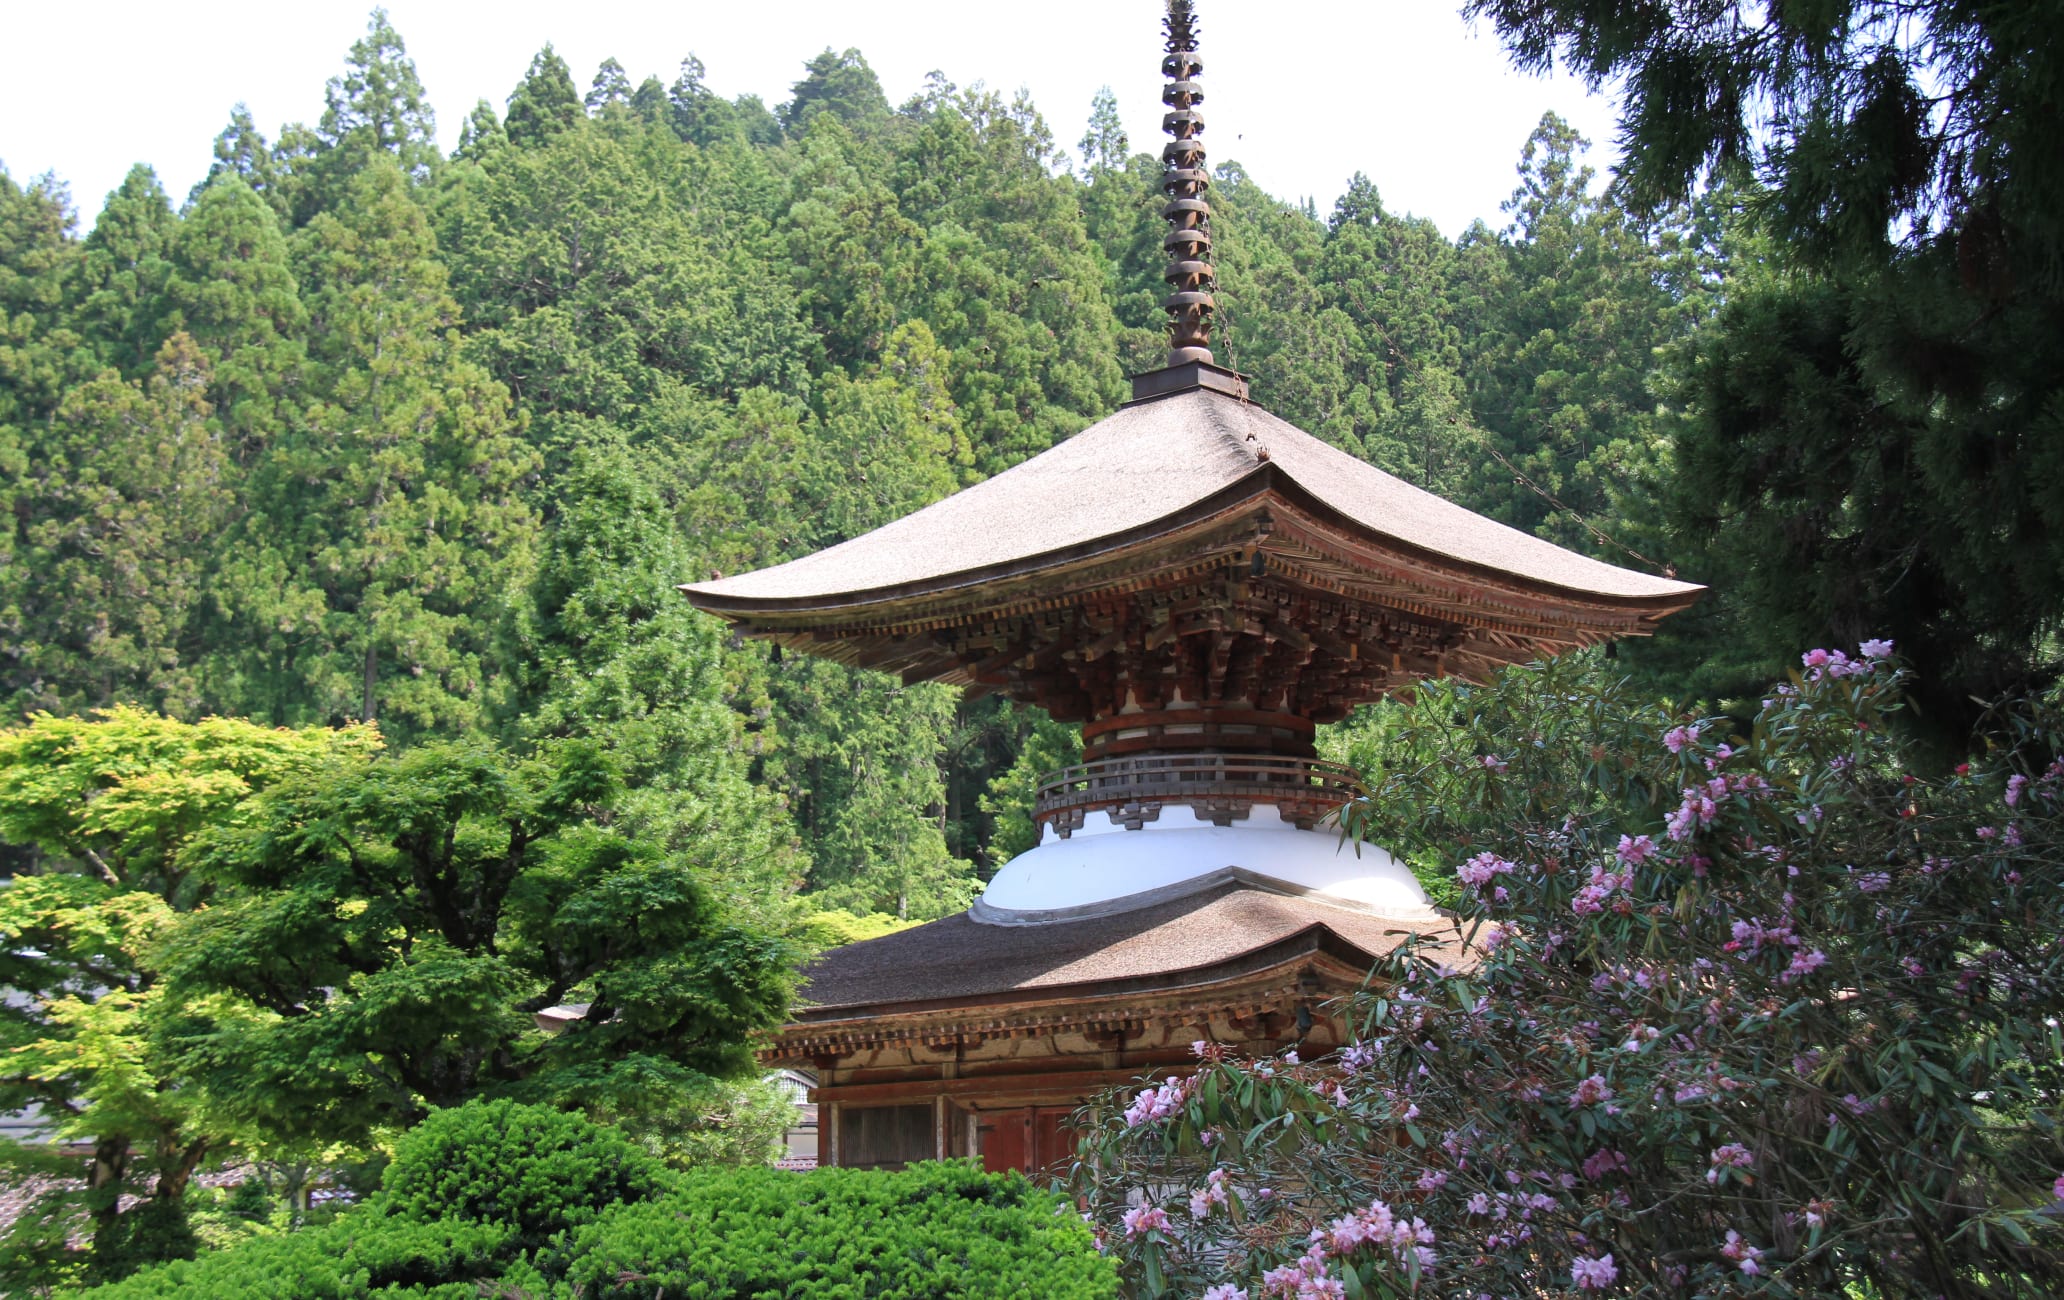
(1221, 788)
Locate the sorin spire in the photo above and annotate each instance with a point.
(1184, 179)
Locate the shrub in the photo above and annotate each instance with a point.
(532, 1169)
(501, 1199)
(1762, 1012)
(934, 1230)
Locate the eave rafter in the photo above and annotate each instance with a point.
(1262, 602)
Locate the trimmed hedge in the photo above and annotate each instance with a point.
(934, 1230)
(499, 1199)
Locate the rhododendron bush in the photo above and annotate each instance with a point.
(1753, 1010)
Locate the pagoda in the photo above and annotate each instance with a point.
(1198, 584)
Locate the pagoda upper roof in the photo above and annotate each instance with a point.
(1155, 468)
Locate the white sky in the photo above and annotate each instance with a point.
(1303, 94)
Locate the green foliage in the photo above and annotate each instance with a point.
(496, 1197)
(839, 84)
(720, 1124)
(392, 925)
(107, 808)
(835, 927)
(531, 1171)
(935, 1230)
(1877, 405)
(545, 102)
(610, 651)
(1785, 986)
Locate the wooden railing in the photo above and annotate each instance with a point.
(1217, 781)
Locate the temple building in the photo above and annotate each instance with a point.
(1199, 584)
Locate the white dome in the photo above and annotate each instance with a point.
(1104, 867)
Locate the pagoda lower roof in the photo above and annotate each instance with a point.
(1192, 470)
(1232, 925)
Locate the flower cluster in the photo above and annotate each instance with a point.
(1157, 1103)
(1590, 1274)
(1690, 930)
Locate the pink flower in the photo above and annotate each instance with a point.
(1876, 649)
(1987, 832)
(1432, 1180)
(1591, 1091)
(1483, 868)
(1870, 882)
(1481, 1204)
(1803, 963)
(1145, 1218)
(1732, 1156)
(1157, 1103)
(1814, 659)
(1602, 1162)
(1492, 763)
(2015, 785)
(2058, 1187)
(1676, 739)
(1225, 1291)
(1746, 1257)
(1593, 1274)
(1635, 850)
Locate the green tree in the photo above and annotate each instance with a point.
(481, 135)
(544, 103)
(611, 87)
(1104, 146)
(120, 518)
(377, 106)
(391, 927)
(840, 84)
(241, 149)
(122, 272)
(609, 650)
(388, 530)
(229, 287)
(1898, 158)
(40, 357)
(107, 807)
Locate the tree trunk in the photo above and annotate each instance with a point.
(104, 1185)
(176, 1168)
(366, 711)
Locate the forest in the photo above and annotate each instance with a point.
(353, 720)
(360, 433)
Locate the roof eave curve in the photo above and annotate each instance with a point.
(1267, 483)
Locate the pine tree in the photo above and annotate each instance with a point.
(388, 530)
(40, 358)
(699, 116)
(649, 102)
(377, 106)
(544, 103)
(241, 149)
(840, 84)
(122, 273)
(229, 287)
(611, 87)
(1104, 145)
(608, 650)
(481, 134)
(121, 514)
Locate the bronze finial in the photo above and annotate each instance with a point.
(1184, 178)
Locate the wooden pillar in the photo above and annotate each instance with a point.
(827, 1134)
(941, 1139)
